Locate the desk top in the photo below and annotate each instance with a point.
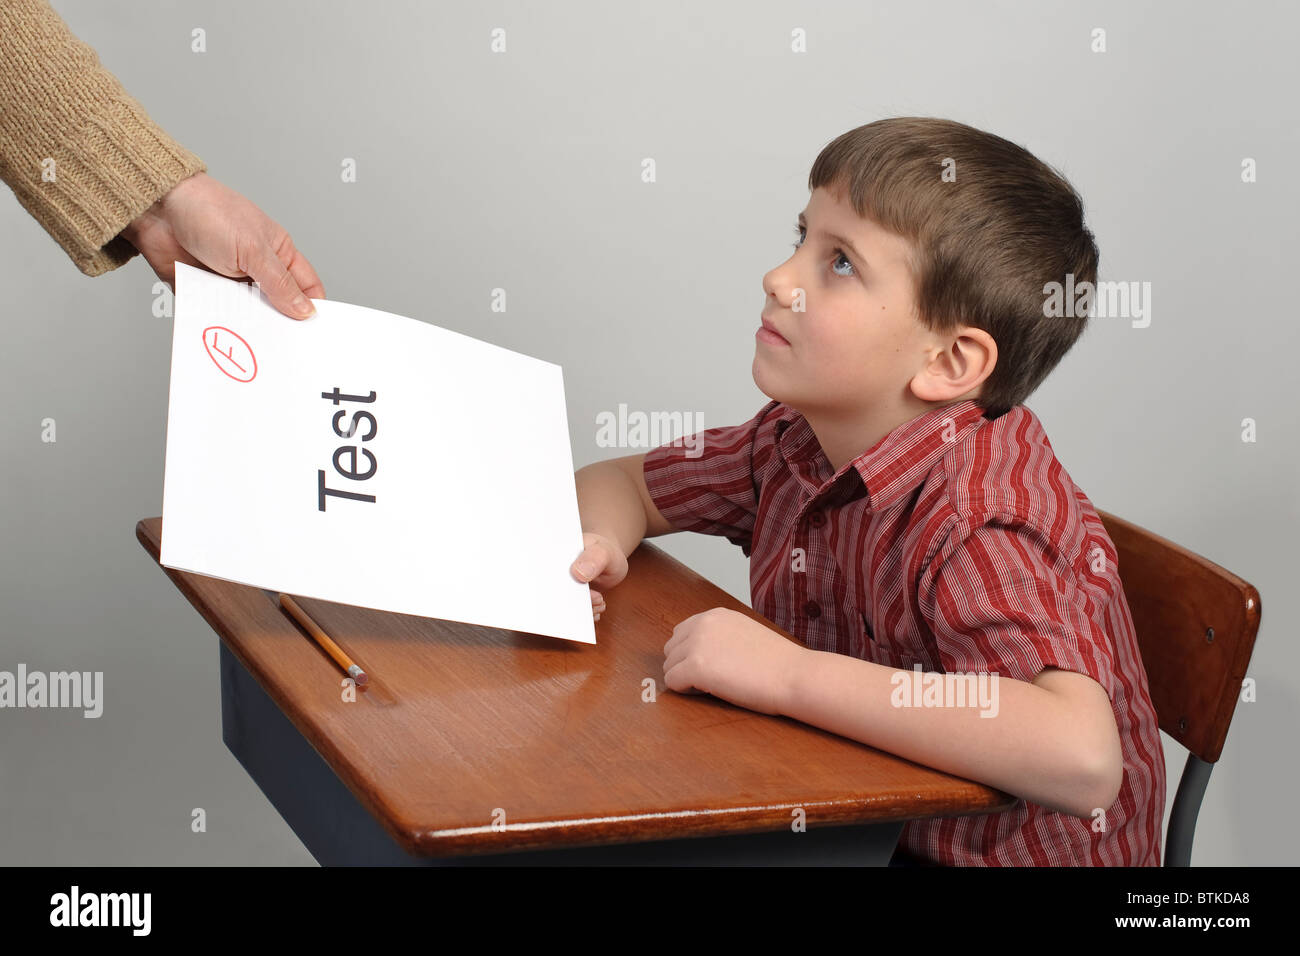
(463, 725)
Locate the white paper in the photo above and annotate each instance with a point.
(474, 515)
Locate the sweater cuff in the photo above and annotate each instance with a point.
(111, 169)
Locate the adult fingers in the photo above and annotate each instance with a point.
(260, 261)
(302, 272)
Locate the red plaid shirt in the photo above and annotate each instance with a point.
(956, 542)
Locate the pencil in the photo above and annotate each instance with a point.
(323, 639)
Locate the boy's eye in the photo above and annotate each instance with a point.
(839, 253)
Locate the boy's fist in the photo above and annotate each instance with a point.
(602, 563)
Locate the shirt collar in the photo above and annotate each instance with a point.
(898, 463)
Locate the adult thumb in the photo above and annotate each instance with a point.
(274, 279)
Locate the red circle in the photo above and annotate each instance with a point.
(238, 359)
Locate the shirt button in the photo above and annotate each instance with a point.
(817, 519)
(812, 609)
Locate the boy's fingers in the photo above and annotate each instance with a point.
(590, 563)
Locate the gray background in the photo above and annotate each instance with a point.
(522, 171)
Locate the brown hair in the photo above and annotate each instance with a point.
(983, 246)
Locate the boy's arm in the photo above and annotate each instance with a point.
(614, 501)
(1053, 741)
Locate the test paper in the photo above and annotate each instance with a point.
(370, 459)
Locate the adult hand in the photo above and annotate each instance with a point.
(202, 223)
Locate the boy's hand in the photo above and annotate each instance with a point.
(732, 656)
(602, 563)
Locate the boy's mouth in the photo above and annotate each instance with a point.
(770, 334)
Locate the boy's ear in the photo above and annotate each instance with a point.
(957, 367)
(982, 349)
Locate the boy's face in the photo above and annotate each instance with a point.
(859, 342)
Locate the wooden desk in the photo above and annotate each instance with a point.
(463, 725)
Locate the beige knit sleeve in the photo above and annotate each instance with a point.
(80, 154)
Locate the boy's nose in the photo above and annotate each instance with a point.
(778, 286)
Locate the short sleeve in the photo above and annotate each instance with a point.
(1004, 599)
(706, 481)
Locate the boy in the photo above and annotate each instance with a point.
(903, 511)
